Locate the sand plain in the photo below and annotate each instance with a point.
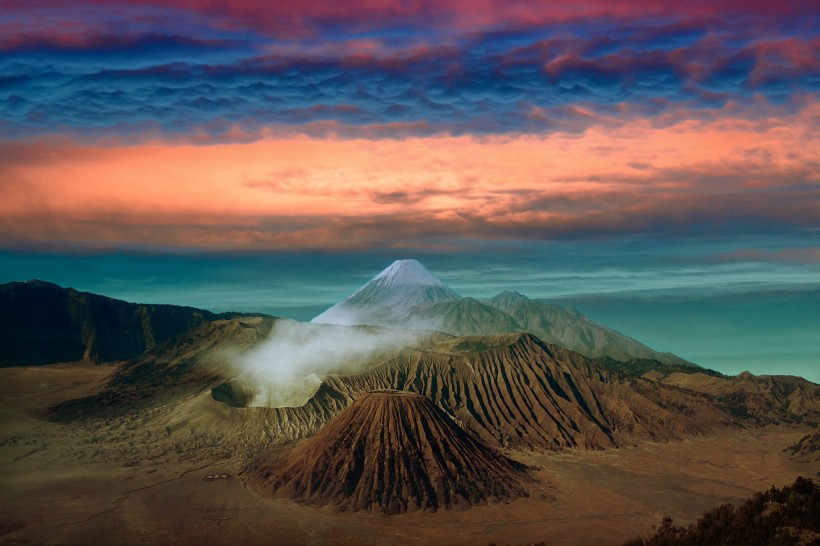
(134, 482)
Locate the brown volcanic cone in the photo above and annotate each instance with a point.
(392, 452)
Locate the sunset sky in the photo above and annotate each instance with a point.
(274, 155)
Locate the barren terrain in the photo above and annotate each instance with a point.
(392, 451)
(123, 482)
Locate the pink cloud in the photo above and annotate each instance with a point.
(298, 191)
(301, 19)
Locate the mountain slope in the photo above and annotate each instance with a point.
(407, 295)
(511, 390)
(764, 398)
(186, 365)
(465, 317)
(573, 330)
(391, 452)
(515, 390)
(42, 323)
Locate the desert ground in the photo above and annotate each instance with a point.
(128, 482)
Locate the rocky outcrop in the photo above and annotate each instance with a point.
(806, 449)
(766, 399)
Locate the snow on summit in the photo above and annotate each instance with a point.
(409, 273)
(401, 286)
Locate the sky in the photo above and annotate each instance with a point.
(660, 157)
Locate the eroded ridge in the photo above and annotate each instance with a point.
(392, 452)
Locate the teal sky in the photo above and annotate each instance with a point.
(653, 163)
(715, 303)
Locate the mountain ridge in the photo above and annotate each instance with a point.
(407, 295)
(511, 390)
(44, 323)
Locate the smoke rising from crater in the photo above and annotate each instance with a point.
(286, 369)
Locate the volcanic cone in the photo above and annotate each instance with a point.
(392, 452)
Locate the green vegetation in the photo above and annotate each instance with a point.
(777, 517)
(640, 366)
(480, 344)
(476, 345)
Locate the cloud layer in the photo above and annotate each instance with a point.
(726, 178)
(391, 125)
(233, 70)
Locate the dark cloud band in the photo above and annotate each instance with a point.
(542, 77)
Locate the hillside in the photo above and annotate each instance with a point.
(42, 323)
(190, 363)
(766, 399)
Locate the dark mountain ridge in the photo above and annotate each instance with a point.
(43, 323)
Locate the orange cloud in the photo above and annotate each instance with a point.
(335, 193)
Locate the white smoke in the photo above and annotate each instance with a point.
(286, 369)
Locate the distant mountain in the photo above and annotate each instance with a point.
(42, 323)
(466, 317)
(767, 399)
(404, 285)
(571, 329)
(407, 295)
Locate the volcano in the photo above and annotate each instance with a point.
(407, 295)
(404, 285)
(392, 452)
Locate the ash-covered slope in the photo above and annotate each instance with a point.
(511, 390)
(42, 323)
(515, 390)
(392, 452)
(189, 364)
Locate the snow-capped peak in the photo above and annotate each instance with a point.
(407, 273)
(405, 284)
